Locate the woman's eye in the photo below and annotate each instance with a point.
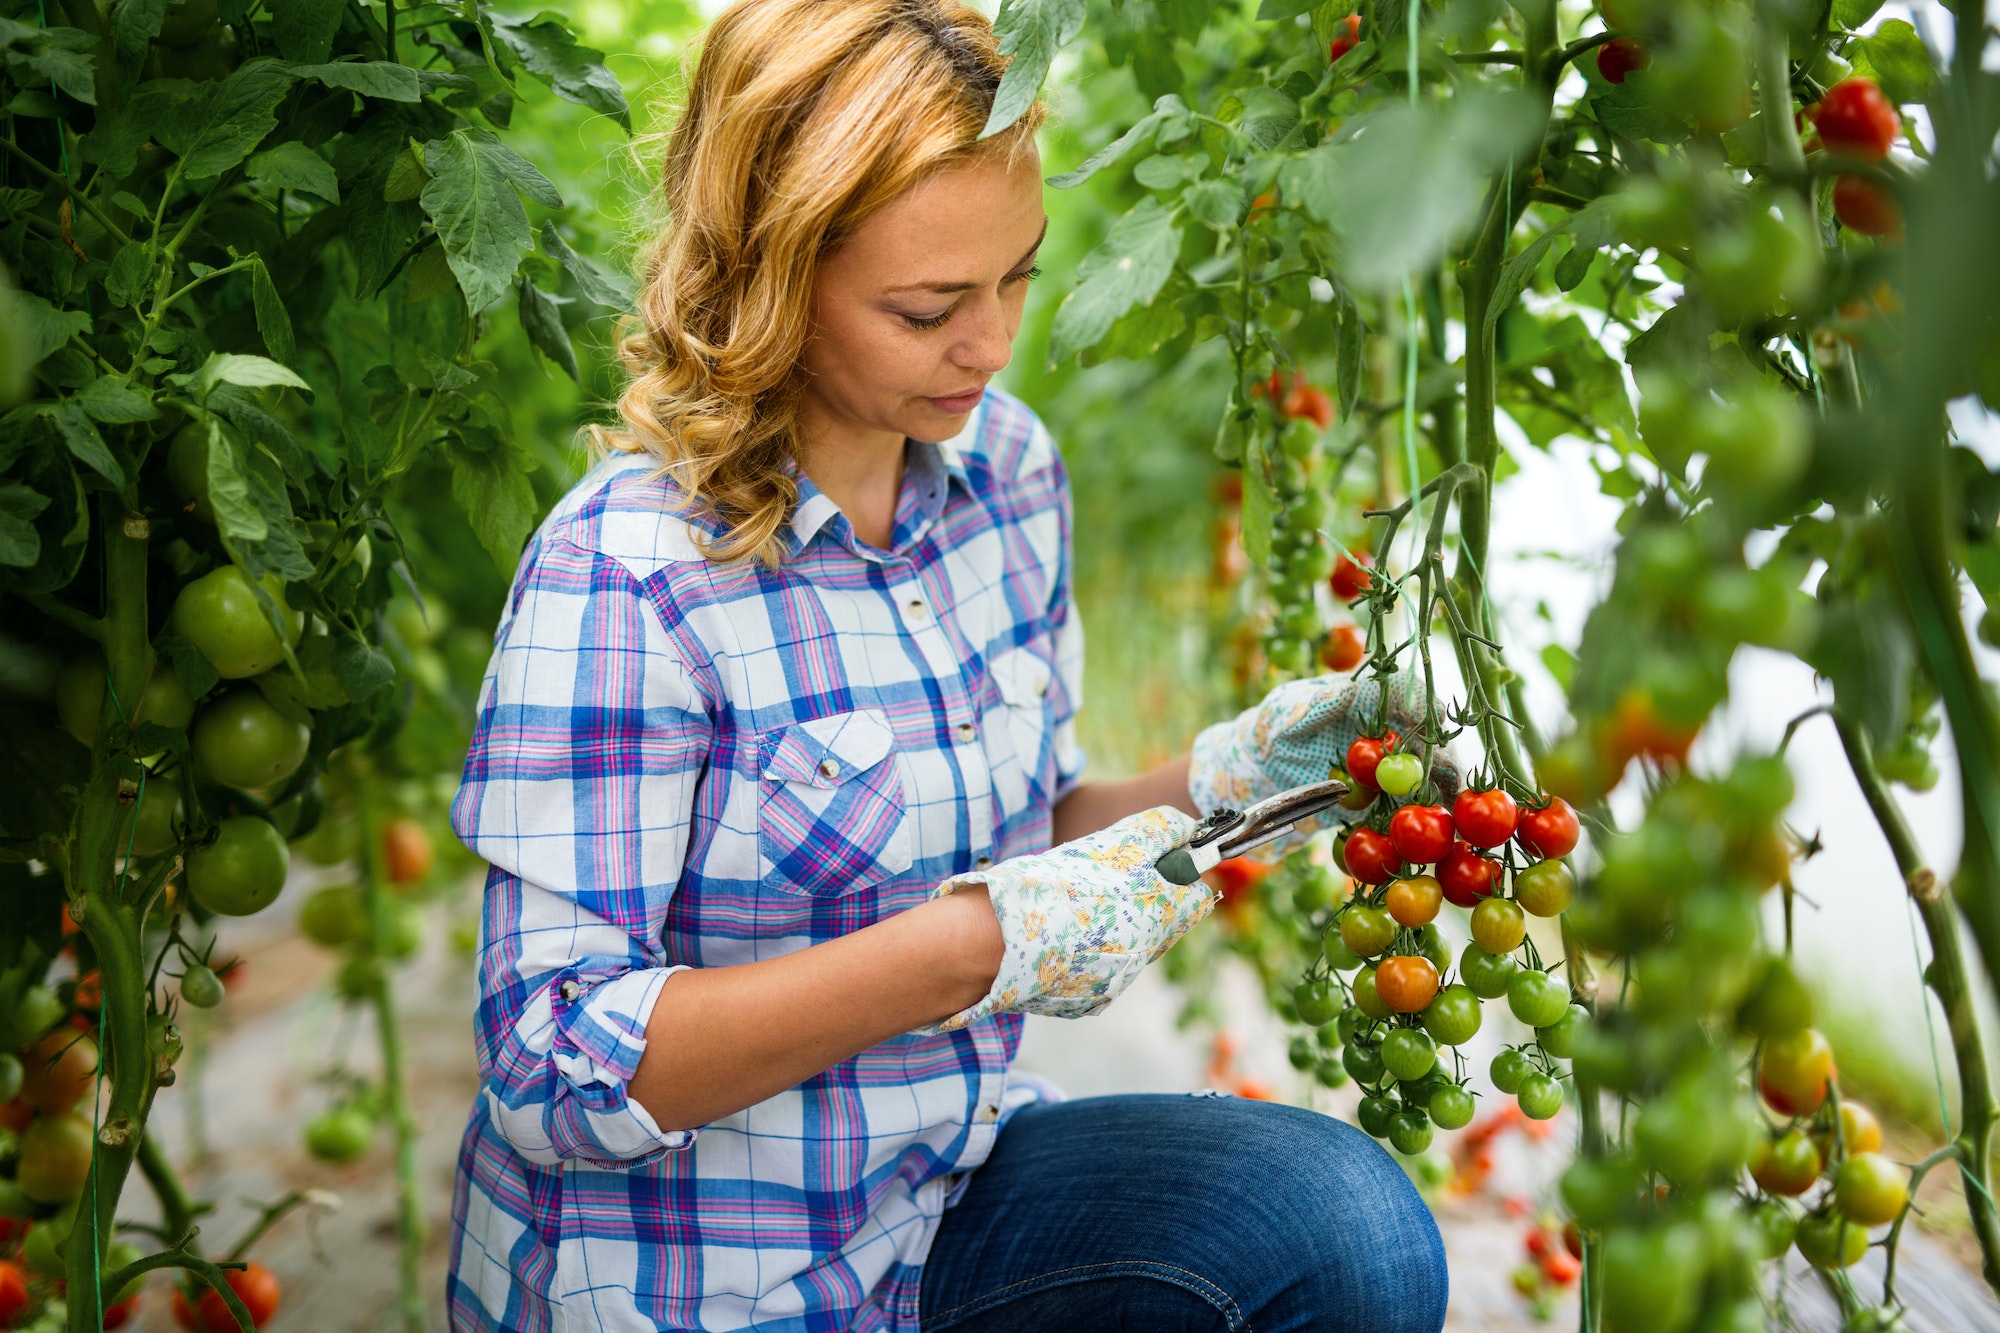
(928, 321)
(1026, 275)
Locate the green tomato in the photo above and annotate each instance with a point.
(1828, 1240)
(1508, 1070)
(1317, 1001)
(41, 1247)
(1291, 656)
(1779, 1005)
(1329, 1036)
(201, 988)
(1349, 1024)
(1487, 975)
(1597, 1191)
(80, 698)
(1432, 945)
(1330, 1072)
(1540, 1096)
(242, 741)
(1338, 956)
(1454, 1016)
(1398, 774)
(332, 842)
(358, 977)
(1409, 1132)
(1367, 998)
(1313, 563)
(341, 1135)
(1773, 1225)
(1367, 931)
(406, 932)
(1451, 1107)
(219, 613)
(1537, 998)
(1364, 1063)
(187, 468)
(1318, 889)
(1375, 1115)
(11, 1075)
(1408, 1054)
(120, 1254)
(1301, 621)
(1653, 1278)
(156, 816)
(1559, 1037)
(1498, 925)
(1545, 888)
(334, 916)
(34, 1013)
(243, 870)
(1302, 1053)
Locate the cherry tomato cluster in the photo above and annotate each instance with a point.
(1856, 120)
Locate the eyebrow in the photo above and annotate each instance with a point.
(946, 288)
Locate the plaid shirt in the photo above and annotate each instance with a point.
(682, 764)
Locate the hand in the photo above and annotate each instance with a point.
(1081, 920)
(1300, 731)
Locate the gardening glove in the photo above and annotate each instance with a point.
(1081, 920)
(1300, 731)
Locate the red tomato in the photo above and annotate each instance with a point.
(1363, 756)
(1422, 833)
(117, 1316)
(254, 1285)
(1619, 57)
(1306, 402)
(1229, 488)
(1466, 875)
(1237, 877)
(1573, 1239)
(1485, 818)
(1345, 38)
(1794, 1072)
(1344, 648)
(1561, 1267)
(1548, 831)
(1539, 1243)
(1350, 578)
(1371, 857)
(1638, 729)
(13, 1292)
(1863, 206)
(1856, 119)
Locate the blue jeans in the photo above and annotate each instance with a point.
(1159, 1214)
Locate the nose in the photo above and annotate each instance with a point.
(988, 344)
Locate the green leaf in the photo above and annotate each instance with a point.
(1561, 663)
(1166, 107)
(192, 668)
(130, 275)
(1350, 360)
(42, 328)
(293, 166)
(1410, 181)
(220, 124)
(1598, 217)
(1866, 651)
(1590, 231)
(237, 517)
(1217, 203)
(597, 284)
(381, 79)
(60, 55)
(1257, 501)
(360, 667)
(273, 321)
(79, 433)
(252, 372)
(1031, 32)
(1141, 332)
(14, 363)
(134, 25)
(1273, 10)
(20, 544)
(1126, 270)
(304, 29)
(577, 73)
(471, 197)
(1268, 116)
(492, 487)
(1897, 58)
(1851, 14)
(112, 400)
(541, 320)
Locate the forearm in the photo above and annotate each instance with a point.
(723, 1038)
(1097, 805)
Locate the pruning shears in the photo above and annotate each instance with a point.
(1225, 833)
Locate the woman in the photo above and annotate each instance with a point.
(776, 737)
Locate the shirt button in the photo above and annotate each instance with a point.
(988, 1113)
(966, 732)
(829, 768)
(983, 863)
(570, 990)
(919, 612)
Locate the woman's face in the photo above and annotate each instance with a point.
(919, 309)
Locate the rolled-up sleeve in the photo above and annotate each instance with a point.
(579, 789)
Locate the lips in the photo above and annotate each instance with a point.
(958, 403)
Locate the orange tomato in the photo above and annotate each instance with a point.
(1415, 901)
(1406, 983)
(1344, 648)
(407, 851)
(57, 1071)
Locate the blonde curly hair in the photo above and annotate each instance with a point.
(802, 119)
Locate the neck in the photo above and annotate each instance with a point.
(860, 470)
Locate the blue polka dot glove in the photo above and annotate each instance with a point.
(1300, 731)
(1080, 921)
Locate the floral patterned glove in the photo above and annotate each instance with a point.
(1300, 731)
(1080, 921)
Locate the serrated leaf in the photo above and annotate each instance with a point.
(1271, 11)
(1897, 58)
(112, 400)
(220, 124)
(541, 320)
(20, 544)
(1126, 270)
(1218, 203)
(304, 29)
(1031, 32)
(1141, 332)
(1166, 107)
(293, 166)
(596, 284)
(471, 197)
(252, 372)
(1866, 651)
(274, 323)
(192, 668)
(360, 667)
(237, 517)
(42, 327)
(1851, 14)
(60, 55)
(134, 25)
(79, 434)
(130, 275)
(443, 375)
(381, 79)
(492, 488)
(577, 73)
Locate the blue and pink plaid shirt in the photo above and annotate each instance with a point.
(681, 764)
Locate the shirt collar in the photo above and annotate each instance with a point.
(927, 469)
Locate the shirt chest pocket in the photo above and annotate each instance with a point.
(831, 817)
(1022, 677)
